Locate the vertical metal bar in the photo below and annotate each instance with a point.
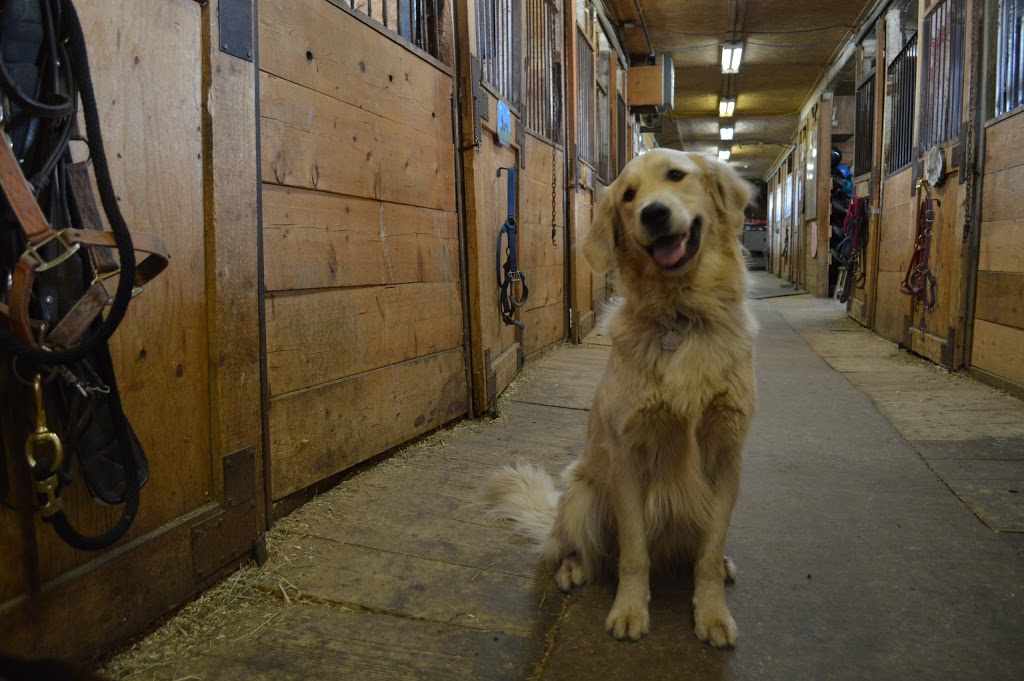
(940, 83)
(504, 42)
(1013, 76)
(942, 76)
(1018, 82)
(1002, 77)
(897, 112)
(1011, 65)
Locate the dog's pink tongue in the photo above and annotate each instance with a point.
(668, 251)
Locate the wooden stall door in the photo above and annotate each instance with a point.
(999, 312)
(364, 314)
(542, 244)
(178, 126)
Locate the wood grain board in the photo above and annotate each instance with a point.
(321, 47)
(999, 316)
(316, 239)
(316, 338)
(320, 431)
(1001, 249)
(997, 349)
(364, 320)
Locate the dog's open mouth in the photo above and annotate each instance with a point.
(673, 251)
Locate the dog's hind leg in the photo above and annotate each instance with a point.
(730, 570)
(576, 542)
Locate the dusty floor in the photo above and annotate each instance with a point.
(879, 535)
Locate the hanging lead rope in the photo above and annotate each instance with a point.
(509, 274)
(919, 281)
(55, 268)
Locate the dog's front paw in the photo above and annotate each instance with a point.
(715, 626)
(628, 621)
(570, 573)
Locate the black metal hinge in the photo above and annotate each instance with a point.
(235, 28)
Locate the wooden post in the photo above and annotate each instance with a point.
(875, 208)
(572, 163)
(233, 244)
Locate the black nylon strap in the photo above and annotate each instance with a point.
(33, 356)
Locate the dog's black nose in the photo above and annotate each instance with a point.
(655, 215)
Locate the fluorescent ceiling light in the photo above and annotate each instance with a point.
(726, 106)
(726, 133)
(724, 154)
(732, 54)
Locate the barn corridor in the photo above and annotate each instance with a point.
(875, 536)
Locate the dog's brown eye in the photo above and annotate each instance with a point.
(629, 195)
(676, 175)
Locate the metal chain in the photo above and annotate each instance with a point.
(554, 191)
(969, 157)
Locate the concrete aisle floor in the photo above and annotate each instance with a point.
(856, 559)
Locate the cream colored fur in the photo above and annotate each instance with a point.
(658, 478)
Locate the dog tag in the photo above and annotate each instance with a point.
(670, 341)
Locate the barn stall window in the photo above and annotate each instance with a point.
(621, 135)
(585, 100)
(864, 131)
(604, 117)
(500, 46)
(543, 67)
(418, 21)
(1010, 56)
(903, 77)
(942, 72)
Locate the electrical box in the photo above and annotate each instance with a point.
(651, 89)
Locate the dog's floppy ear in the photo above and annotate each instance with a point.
(730, 192)
(600, 243)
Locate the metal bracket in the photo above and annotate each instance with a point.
(959, 155)
(239, 476)
(916, 173)
(223, 538)
(231, 533)
(491, 379)
(235, 28)
(521, 141)
(480, 100)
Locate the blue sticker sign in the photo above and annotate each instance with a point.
(504, 124)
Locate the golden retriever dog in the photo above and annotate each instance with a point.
(656, 483)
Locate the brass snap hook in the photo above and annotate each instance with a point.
(42, 438)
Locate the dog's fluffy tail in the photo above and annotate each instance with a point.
(527, 496)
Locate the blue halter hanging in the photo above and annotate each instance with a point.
(509, 274)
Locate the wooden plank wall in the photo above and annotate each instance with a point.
(895, 247)
(543, 256)
(497, 346)
(823, 185)
(942, 341)
(890, 312)
(774, 225)
(182, 159)
(858, 304)
(895, 319)
(999, 310)
(364, 305)
(583, 317)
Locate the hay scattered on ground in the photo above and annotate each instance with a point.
(245, 604)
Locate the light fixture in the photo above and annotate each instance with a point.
(726, 106)
(724, 153)
(726, 133)
(732, 53)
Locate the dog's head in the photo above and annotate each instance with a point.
(664, 211)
